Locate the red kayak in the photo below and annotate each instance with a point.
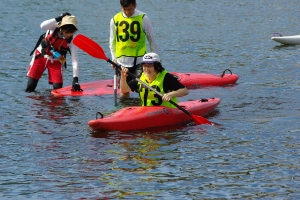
(197, 80)
(144, 117)
(190, 80)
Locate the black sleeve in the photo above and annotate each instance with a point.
(171, 83)
(133, 85)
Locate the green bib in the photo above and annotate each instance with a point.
(130, 36)
(150, 98)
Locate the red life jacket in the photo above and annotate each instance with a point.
(53, 42)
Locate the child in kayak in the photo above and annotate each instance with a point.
(156, 77)
(51, 52)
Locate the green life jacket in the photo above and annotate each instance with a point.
(150, 98)
(130, 36)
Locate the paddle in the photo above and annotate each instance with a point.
(95, 50)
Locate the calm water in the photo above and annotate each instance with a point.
(48, 152)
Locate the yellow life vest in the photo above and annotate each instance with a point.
(130, 36)
(150, 98)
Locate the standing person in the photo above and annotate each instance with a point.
(51, 53)
(156, 77)
(128, 32)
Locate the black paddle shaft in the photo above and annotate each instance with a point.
(147, 86)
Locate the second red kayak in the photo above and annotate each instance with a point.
(197, 80)
(190, 80)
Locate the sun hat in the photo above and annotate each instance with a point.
(68, 19)
(150, 58)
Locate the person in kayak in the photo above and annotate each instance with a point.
(129, 30)
(158, 78)
(51, 50)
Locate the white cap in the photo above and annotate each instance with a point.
(150, 58)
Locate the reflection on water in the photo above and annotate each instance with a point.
(49, 107)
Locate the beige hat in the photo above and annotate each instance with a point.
(68, 19)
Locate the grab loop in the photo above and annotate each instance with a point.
(203, 100)
(99, 113)
(225, 71)
(277, 34)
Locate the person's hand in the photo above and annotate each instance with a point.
(167, 97)
(115, 61)
(75, 85)
(124, 71)
(59, 18)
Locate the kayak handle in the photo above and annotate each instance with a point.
(204, 100)
(99, 113)
(277, 34)
(225, 71)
